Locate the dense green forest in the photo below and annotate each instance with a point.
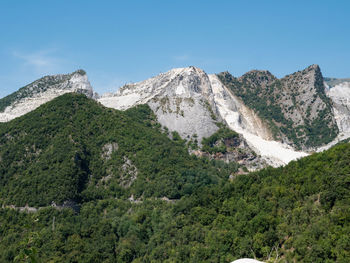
(74, 149)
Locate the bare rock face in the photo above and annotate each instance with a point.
(181, 98)
(41, 91)
(338, 90)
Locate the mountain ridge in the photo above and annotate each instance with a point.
(291, 105)
(81, 182)
(194, 104)
(43, 90)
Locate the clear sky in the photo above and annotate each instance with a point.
(122, 41)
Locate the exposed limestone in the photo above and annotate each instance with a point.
(43, 90)
(128, 173)
(245, 121)
(108, 149)
(181, 98)
(189, 101)
(340, 95)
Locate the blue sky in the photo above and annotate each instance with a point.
(122, 41)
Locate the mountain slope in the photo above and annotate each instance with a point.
(295, 107)
(181, 98)
(332, 82)
(73, 148)
(297, 213)
(274, 116)
(43, 90)
(195, 104)
(245, 121)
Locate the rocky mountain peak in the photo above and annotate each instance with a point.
(43, 90)
(270, 113)
(181, 98)
(311, 76)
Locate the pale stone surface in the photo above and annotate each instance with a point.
(181, 98)
(42, 91)
(340, 96)
(189, 101)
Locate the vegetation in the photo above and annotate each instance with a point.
(56, 153)
(219, 141)
(296, 213)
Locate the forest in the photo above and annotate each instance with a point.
(141, 197)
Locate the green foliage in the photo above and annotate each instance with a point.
(219, 140)
(296, 213)
(56, 153)
(29, 250)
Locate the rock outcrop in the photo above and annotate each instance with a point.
(41, 91)
(295, 108)
(181, 98)
(274, 117)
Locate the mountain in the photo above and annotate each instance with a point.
(254, 129)
(84, 183)
(195, 104)
(295, 108)
(74, 149)
(41, 91)
(278, 120)
(181, 98)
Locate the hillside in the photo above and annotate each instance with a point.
(295, 108)
(74, 149)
